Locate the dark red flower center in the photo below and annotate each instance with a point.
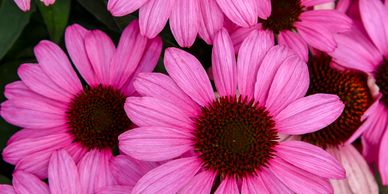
(351, 87)
(283, 16)
(234, 137)
(382, 81)
(96, 117)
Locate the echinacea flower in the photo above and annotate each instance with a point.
(186, 18)
(64, 176)
(57, 111)
(26, 4)
(352, 88)
(231, 141)
(294, 22)
(370, 55)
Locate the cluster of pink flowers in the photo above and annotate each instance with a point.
(293, 85)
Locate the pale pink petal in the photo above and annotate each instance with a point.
(243, 13)
(134, 169)
(147, 64)
(63, 174)
(316, 36)
(115, 190)
(382, 164)
(267, 70)
(332, 20)
(273, 184)
(372, 13)
(224, 64)
(309, 114)
(239, 35)
(250, 56)
(148, 111)
(25, 147)
(290, 83)
(161, 86)
(310, 158)
(7, 189)
(123, 7)
(57, 67)
(48, 2)
(95, 164)
(184, 21)
(26, 183)
(75, 45)
(211, 20)
(23, 4)
(298, 180)
(189, 75)
(155, 143)
(128, 55)
(228, 185)
(169, 177)
(264, 8)
(295, 42)
(309, 3)
(100, 50)
(340, 186)
(201, 183)
(153, 16)
(33, 76)
(254, 184)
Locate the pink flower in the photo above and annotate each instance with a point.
(187, 18)
(57, 111)
(370, 54)
(231, 138)
(65, 176)
(293, 21)
(25, 4)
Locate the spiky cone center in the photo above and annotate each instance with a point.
(234, 137)
(352, 88)
(96, 117)
(381, 76)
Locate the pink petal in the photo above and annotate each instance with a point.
(100, 50)
(272, 183)
(95, 164)
(316, 36)
(309, 114)
(254, 184)
(155, 143)
(299, 180)
(311, 159)
(267, 70)
(153, 16)
(332, 20)
(264, 8)
(123, 7)
(201, 183)
(23, 4)
(290, 83)
(309, 3)
(18, 89)
(169, 177)
(48, 2)
(372, 13)
(76, 150)
(74, 39)
(35, 133)
(250, 56)
(211, 20)
(295, 42)
(189, 75)
(36, 164)
(161, 86)
(382, 164)
(228, 185)
(63, 174)
(239, 35)
(184, 21)
(134, 169)
(26, 183)
(115, 190)
(6, 189)
(25, 147)
(243, 13)
(33, 76)
(224, 64)
(57, 67)
(128, 54)
(148, 111)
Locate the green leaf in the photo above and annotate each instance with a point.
(4, 180)
(56, 17)
(12, 23)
